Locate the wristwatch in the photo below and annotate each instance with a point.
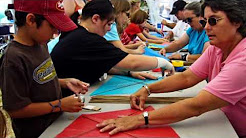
(146, 117)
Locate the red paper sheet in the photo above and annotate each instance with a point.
(85, 126)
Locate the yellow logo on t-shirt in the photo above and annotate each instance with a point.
(44, 72)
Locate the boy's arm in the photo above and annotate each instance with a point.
(169, 25)
(67, 104)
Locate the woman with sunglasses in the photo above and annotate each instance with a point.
(195, 37)
(223, 63)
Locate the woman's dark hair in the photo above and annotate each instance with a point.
(234, 10)
(195, 7)
(139, 17)
(20, 19)
(103, 8)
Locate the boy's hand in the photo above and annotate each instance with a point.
(75, 85)
(71, 104)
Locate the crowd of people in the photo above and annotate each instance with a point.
(97, 37)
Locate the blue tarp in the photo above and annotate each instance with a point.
(119, 85)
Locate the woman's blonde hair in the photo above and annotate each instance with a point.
(139, 17)
(120, 6)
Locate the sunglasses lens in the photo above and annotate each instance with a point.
(203, 23)
(189, 20)
(212, 21)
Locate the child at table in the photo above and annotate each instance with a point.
(135, 29)
(28, 80)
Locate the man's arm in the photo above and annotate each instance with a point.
(169, 25)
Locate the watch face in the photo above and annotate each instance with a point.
(145, 114)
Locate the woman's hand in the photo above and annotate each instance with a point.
(137, 100)
(143, 75)
(121, 124)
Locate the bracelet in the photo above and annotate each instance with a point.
(147, 88)
(56, 106)
(183, 57)
(129, 73)
(187, 58)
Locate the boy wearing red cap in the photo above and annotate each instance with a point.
(31, 89)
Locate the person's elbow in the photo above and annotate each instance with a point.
(130, 62)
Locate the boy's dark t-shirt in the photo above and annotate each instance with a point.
(85, 56)
(27, 75)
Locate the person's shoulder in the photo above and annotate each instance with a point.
(80, 35)
(13, 53)
(239, 51)
(189, 30)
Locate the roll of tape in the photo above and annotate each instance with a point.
(178, 63)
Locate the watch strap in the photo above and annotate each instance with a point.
(146, 117)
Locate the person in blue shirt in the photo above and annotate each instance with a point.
(195, 36)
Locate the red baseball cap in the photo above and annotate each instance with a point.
(52, 10)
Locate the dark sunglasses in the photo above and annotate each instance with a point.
(127, 14)
(211, 21)
(188, 20)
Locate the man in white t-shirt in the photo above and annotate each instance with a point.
(181, 27)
